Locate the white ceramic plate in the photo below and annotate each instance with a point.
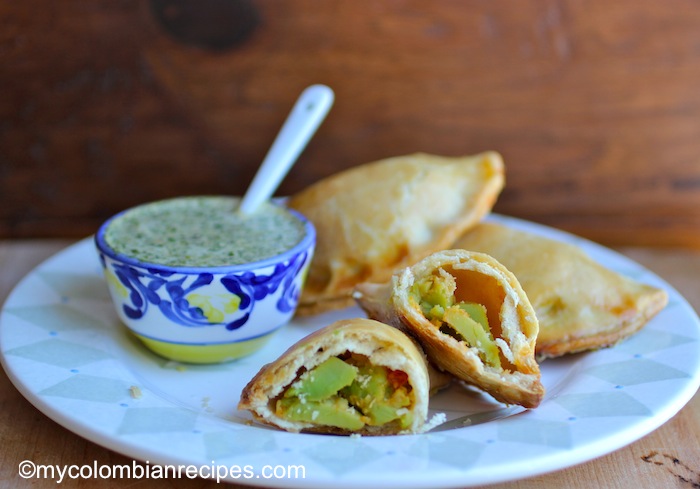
(64, 349)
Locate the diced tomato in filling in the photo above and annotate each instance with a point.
(397, 378)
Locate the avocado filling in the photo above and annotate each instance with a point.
(463, 320)
(348, 393)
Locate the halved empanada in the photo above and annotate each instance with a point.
(581, 305)
(471, 317)
(353, 376)
(376, 218)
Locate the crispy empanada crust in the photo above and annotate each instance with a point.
(378, 217)
(480, 278)
(382, 344)
(581, 305)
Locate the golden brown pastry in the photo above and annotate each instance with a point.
(376, 218)
(581, 305)
(472, 318)
(353, 376)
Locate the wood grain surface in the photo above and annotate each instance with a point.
(666, 458)
(594, 104)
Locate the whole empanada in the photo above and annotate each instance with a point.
(471, 317)
(353, 376)
(378, 217)
(581, 305)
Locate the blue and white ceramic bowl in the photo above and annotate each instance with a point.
(206, 314)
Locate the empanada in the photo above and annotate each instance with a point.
(378, 217)
(472, 318)
(581, 305)
(353, 376)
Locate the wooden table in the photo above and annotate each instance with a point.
(668, 457)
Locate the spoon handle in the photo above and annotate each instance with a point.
(307, 114)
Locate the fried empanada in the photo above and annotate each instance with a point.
(472, 318)
(376, 218)
(581, 305)
(353, 376)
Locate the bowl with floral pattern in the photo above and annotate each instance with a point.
(197, 282)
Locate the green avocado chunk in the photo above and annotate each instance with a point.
(471, 328)
(347, 394)
(468, 320)
(330, 412)
(477, 312)
(323, 381)
(372, 394)
(435, 294)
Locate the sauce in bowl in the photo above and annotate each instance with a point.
(203, 231)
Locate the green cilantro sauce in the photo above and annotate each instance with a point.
(203, 232)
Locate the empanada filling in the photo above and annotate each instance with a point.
(463, 320)
(348, 392)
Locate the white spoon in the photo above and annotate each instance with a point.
(307, 114)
